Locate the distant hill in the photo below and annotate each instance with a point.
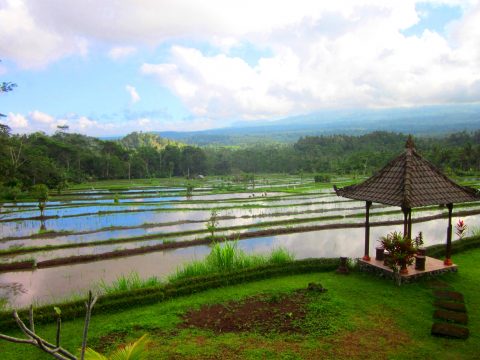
(420, 121)
(136, 140)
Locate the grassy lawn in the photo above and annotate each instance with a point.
(359, 317)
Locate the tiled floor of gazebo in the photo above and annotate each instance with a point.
(432, 267)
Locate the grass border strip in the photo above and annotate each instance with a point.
(127, 299)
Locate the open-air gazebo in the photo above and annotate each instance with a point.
(409, 181)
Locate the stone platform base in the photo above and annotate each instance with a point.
(433, 267)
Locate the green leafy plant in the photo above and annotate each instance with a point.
(133, 351)
(460, 229)
(322, 178)
(418, 241)
(189, 190)
(212, 223)
(401, 251)
(40, 192)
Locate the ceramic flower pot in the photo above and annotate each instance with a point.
(403, 269)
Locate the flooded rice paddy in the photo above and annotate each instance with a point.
(92, 222)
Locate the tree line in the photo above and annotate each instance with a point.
(27, 160)
(55, 160)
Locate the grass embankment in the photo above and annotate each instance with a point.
(228, 258)
(223, 258)
(360, 316)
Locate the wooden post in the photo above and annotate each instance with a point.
(409, 231)
(366, 255)
(405, 221)
(448, 255)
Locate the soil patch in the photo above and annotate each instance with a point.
(262, 313)
(105, 342)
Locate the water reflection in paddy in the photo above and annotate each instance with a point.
(243, 216)
(98, 221)
(54, 283)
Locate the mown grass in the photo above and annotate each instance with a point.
(360, 316)
(227, 257)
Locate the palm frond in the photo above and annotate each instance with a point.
(91, 354)
(134, 351)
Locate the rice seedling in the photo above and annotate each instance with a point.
(227, 258)
(3, 304)
(474, 231)
(131, 281)
(281, 256)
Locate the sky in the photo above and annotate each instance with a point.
(110, 67)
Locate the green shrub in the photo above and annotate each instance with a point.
(322, 178)
(11, 193)
(439, 251)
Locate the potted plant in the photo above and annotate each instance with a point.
(401, 251)
(461, 229)
(418, 242)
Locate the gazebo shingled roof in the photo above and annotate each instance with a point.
(409, 181)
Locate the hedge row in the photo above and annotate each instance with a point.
(123, 300)
(439, 251)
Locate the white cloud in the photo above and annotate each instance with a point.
(35, 33)
(144, 122)
(134, 97)
(17, 122)
(40, 121)
(350, 57)
(29, 44)
(85, 123)
(120, 52)
(322, 54)
(41, 117)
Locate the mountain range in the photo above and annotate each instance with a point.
(419, 121)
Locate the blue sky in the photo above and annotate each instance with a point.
(114, 67)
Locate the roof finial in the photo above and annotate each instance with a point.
(410, 144)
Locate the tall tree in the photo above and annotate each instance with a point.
(6, 86)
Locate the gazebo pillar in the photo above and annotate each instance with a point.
(409, 231)
(366, 255)
(448, 255)
(407, 221)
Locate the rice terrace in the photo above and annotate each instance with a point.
(239, 180)
(119, 237)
